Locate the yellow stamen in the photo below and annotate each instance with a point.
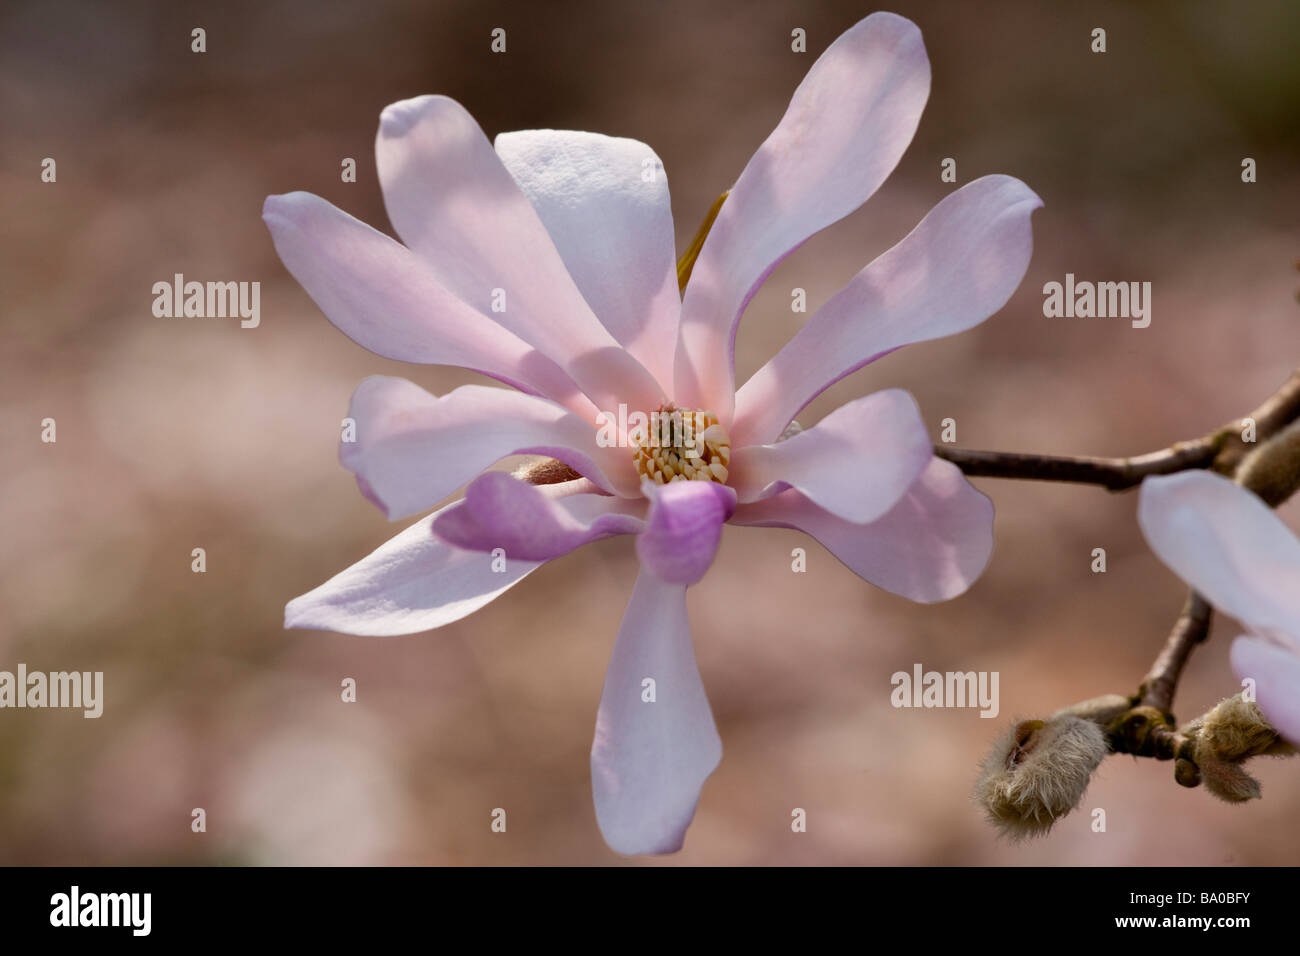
(683, 445)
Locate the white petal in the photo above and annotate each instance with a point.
(1227, 544)
(856, 462)
(650, 760)
(411, 583)
(453, 202)
(929, 547)
(604, 201)
(955, 269)
(412, 449)
(383, 296)
(846, 128)
(1275, 669)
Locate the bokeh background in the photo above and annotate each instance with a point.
(176, 434)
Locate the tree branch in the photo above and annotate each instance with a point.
(1193, 625)
(1222, 450)
(1113, 474)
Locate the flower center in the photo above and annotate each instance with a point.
(683, 445)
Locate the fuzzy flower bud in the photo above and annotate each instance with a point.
(545, 471)
(1037, 772)
(1231, 733)
(1272, 470)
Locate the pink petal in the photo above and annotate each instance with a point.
(1227, 544)
(1275, 668)
(846, 128)
(530, 522)
(413, 449)
(612, 227)
(929, 547)
(649, 760)
(955, 269)
(453, 202)
(856, 463)
(411, 583)
(683, 528)
(382, 296)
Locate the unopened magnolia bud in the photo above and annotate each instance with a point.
(1227, 781)
(545, 471)
(1232, 732)
(1272, 470)
(1037, 772)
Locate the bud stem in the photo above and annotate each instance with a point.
(1190, 629)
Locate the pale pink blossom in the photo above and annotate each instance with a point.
(579, 242)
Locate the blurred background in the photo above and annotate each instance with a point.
(176, 434)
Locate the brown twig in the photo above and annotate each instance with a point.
(1193, 625)
(1147, 728)
(1277, 411)
(1113, 474)
(1221, 450)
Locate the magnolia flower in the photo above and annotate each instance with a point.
(1229, 546)
(547, 263)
